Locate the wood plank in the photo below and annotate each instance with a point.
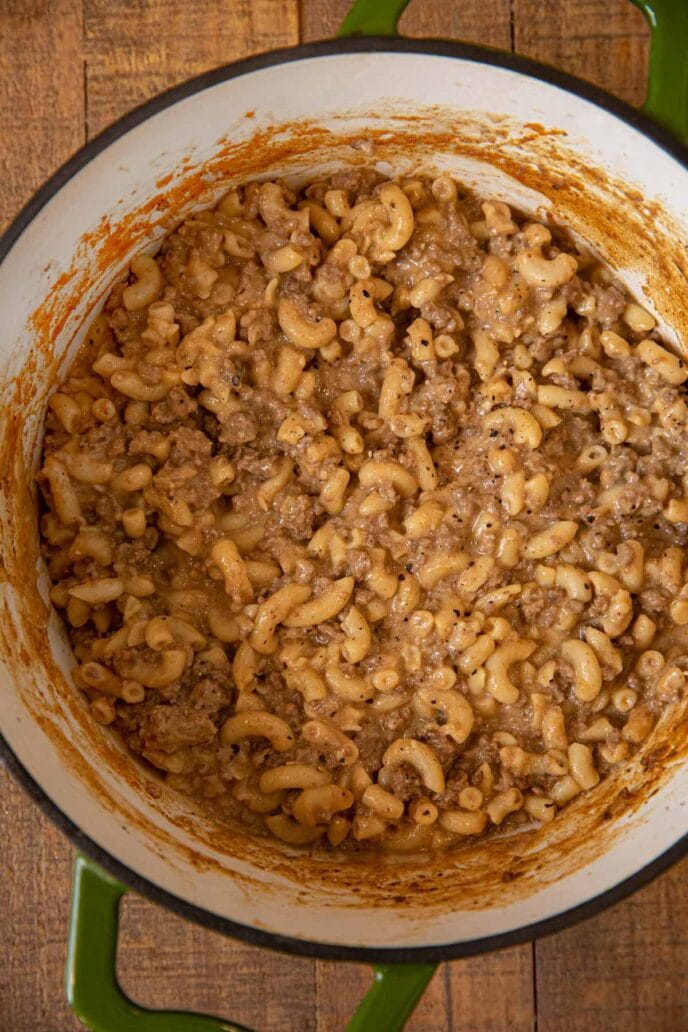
(42, 95)
(134, 51)
(494, 993)
(603, 41)
(623, 971)
(41, 124)
(35, 878)
(474, 21)
(340, 987)
(165, 961)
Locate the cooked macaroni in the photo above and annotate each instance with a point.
(366, 508)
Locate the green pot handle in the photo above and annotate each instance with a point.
(91, 974)
(102, 1006)
(392, 997)
(667, 88)
(373, 18)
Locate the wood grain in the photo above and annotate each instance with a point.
(475, 21)
(41, 124)
(623, 971)
(35, 876)
(68, 69)
(493, 993)
(603, 41)
(200, 970)
(135, 50)
(339, 987)
(41, 94)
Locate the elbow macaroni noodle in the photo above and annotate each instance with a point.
(366, 509)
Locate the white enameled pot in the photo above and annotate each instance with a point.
(514, 130)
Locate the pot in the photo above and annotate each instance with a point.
(549, 144)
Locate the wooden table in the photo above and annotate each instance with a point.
(68, 68)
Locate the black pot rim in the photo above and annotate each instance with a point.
(129, 877)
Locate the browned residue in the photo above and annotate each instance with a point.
(630, 232)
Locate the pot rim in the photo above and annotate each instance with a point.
(80, 159)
